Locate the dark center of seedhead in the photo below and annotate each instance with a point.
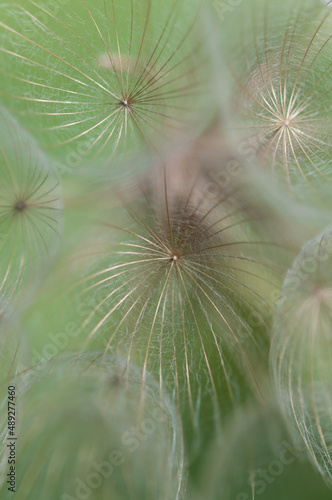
(125, 103)
(287, 122)
(174, 258)
(20, 206)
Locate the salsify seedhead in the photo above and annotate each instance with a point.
(301, 350)
(85, 432)
(30, 210)
(259, 460)
(179, 279)
(282, 106)
(105, 77)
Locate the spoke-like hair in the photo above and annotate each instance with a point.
(183, 284)
(105, 76)
(301, 351)
(30, 210)
(284, 98)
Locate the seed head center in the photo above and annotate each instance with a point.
(125, 103)
(20, 206)
(286, 122)
(174, 258)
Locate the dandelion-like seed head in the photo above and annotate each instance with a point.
(30, 207)
(175, 284)
(135, 82)
(53, 395)
(301, 350)
(283, 103)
